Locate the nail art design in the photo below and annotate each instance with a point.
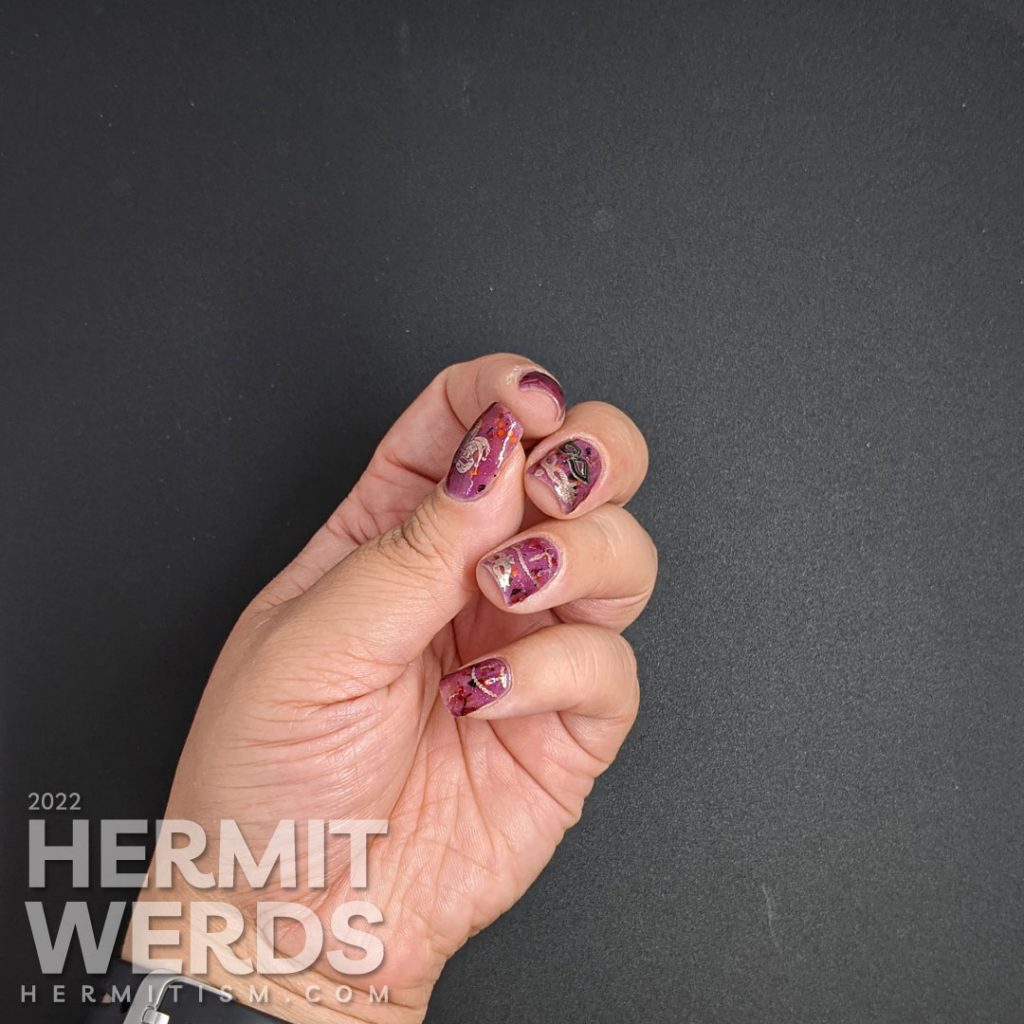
(570, 470)
(523, 568)
(482, 452)
(537, 381)
(475, 686)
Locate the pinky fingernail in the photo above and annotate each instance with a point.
(475, 686)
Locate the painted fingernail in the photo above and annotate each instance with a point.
(475, 686)
(570, 470)
(537, 381)
(489, 442)
(523, 568)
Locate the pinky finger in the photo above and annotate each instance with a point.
(578, 668)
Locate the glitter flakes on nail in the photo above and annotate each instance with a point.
(522, 568)
(483, 450)
(570, 470)
(475, 686)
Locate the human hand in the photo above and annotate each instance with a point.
(324, 703)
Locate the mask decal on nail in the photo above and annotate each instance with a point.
(475, 686)
(571, 471)
(472, 453)
(521, 569)
(556, 477)
(577, 463)
(483, 451)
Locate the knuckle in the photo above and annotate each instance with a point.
(629, 674)
(602, 521)
(613, 526)
(420, 544)
(652, 554)
(441, 379)
(605, 612)
(618, 434)
(625, 657)
(297, 646)
(497, 358)
(607, 656)
(620, 534)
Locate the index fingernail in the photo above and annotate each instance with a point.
(537, 380)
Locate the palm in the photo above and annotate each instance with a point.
(454, 856)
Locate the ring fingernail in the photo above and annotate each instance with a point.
(570, 470)
(523, 568)
(475, 686)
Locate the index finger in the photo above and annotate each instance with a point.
(416, 452)
(422, 438)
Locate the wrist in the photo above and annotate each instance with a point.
(315, 995)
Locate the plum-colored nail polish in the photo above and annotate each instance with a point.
(537, 381)
(523, 568)
(489, 442)
(570, 470)
(475, 686)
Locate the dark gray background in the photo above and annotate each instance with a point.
(788, 238)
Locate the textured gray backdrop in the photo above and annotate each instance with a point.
(788, 238)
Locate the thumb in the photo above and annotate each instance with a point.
(388, 598)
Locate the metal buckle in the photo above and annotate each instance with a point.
(150, 992)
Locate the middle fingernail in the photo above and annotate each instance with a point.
(570, 470)
(522, 568)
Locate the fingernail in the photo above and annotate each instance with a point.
(523, 568)
(489, 441)
(475, 686)
(570, 470)
(535, 380)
